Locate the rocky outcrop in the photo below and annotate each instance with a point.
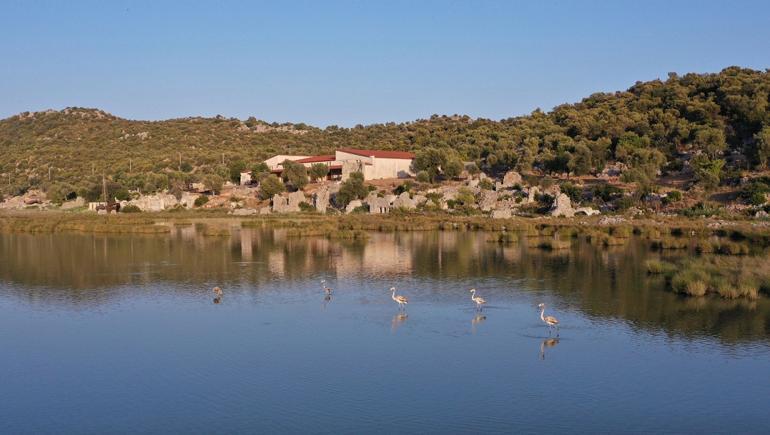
(532, 194)
(511, 178)
(352, 205)
(488, 200)
(288, 203)
(156, 202)
(321, 199)
(188, 199)
(562, 206)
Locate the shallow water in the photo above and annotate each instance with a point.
(121, 334)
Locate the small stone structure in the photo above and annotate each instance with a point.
(378, 205)
(288, 203)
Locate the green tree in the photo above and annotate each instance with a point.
(319, 171)
(762, 147)
(269, 186)
(453, 167)
(294, 174)
(352, 188)
(213, 182)
(429, 160)
(235, 168)
(259, 170)
(708, 172)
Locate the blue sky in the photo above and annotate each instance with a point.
(351, 62)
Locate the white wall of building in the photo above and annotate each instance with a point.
(275, 161)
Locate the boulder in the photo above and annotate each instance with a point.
(244, 212)
(420, 199)
(264, 210)
(511, 178)
(588, 211)
(405, 202)
(75, 203)
(501, 214)
(562, 206)
(354, 204)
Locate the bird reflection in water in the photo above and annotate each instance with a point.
(327, 299)
(476, 320)
(217, 300)
(548, 342)
(398, 320)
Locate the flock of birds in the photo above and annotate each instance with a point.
(402, 301)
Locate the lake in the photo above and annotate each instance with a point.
(104, 333)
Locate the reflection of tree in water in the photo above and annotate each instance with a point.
(85, 269)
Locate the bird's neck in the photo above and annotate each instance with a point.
(542, 311)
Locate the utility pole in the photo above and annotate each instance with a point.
(49, 173)
(223, 158)
(104, 189)
(93, 168)
(130, 166)
(180, 161)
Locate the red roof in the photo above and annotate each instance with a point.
(316, 159)
(379, 154)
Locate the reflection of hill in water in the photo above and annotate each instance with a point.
(599, 282)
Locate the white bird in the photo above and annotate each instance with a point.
(401, 300)
(477, 299)
(326, 289)
(551, 321)
(217, 292)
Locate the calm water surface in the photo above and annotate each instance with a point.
(121, 334)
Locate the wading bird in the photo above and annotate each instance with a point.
(217, 292)
(477, 299)
(400, 300)
(549, 320)
(327, 289)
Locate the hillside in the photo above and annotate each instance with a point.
(716, 125)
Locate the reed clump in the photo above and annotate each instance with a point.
(727, 277)
(503, 238)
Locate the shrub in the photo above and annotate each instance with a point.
(423, 177)
(201, 200)
(656, 267)
(691, 282)
(486, 184)
(305, 207)
(130, 208)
